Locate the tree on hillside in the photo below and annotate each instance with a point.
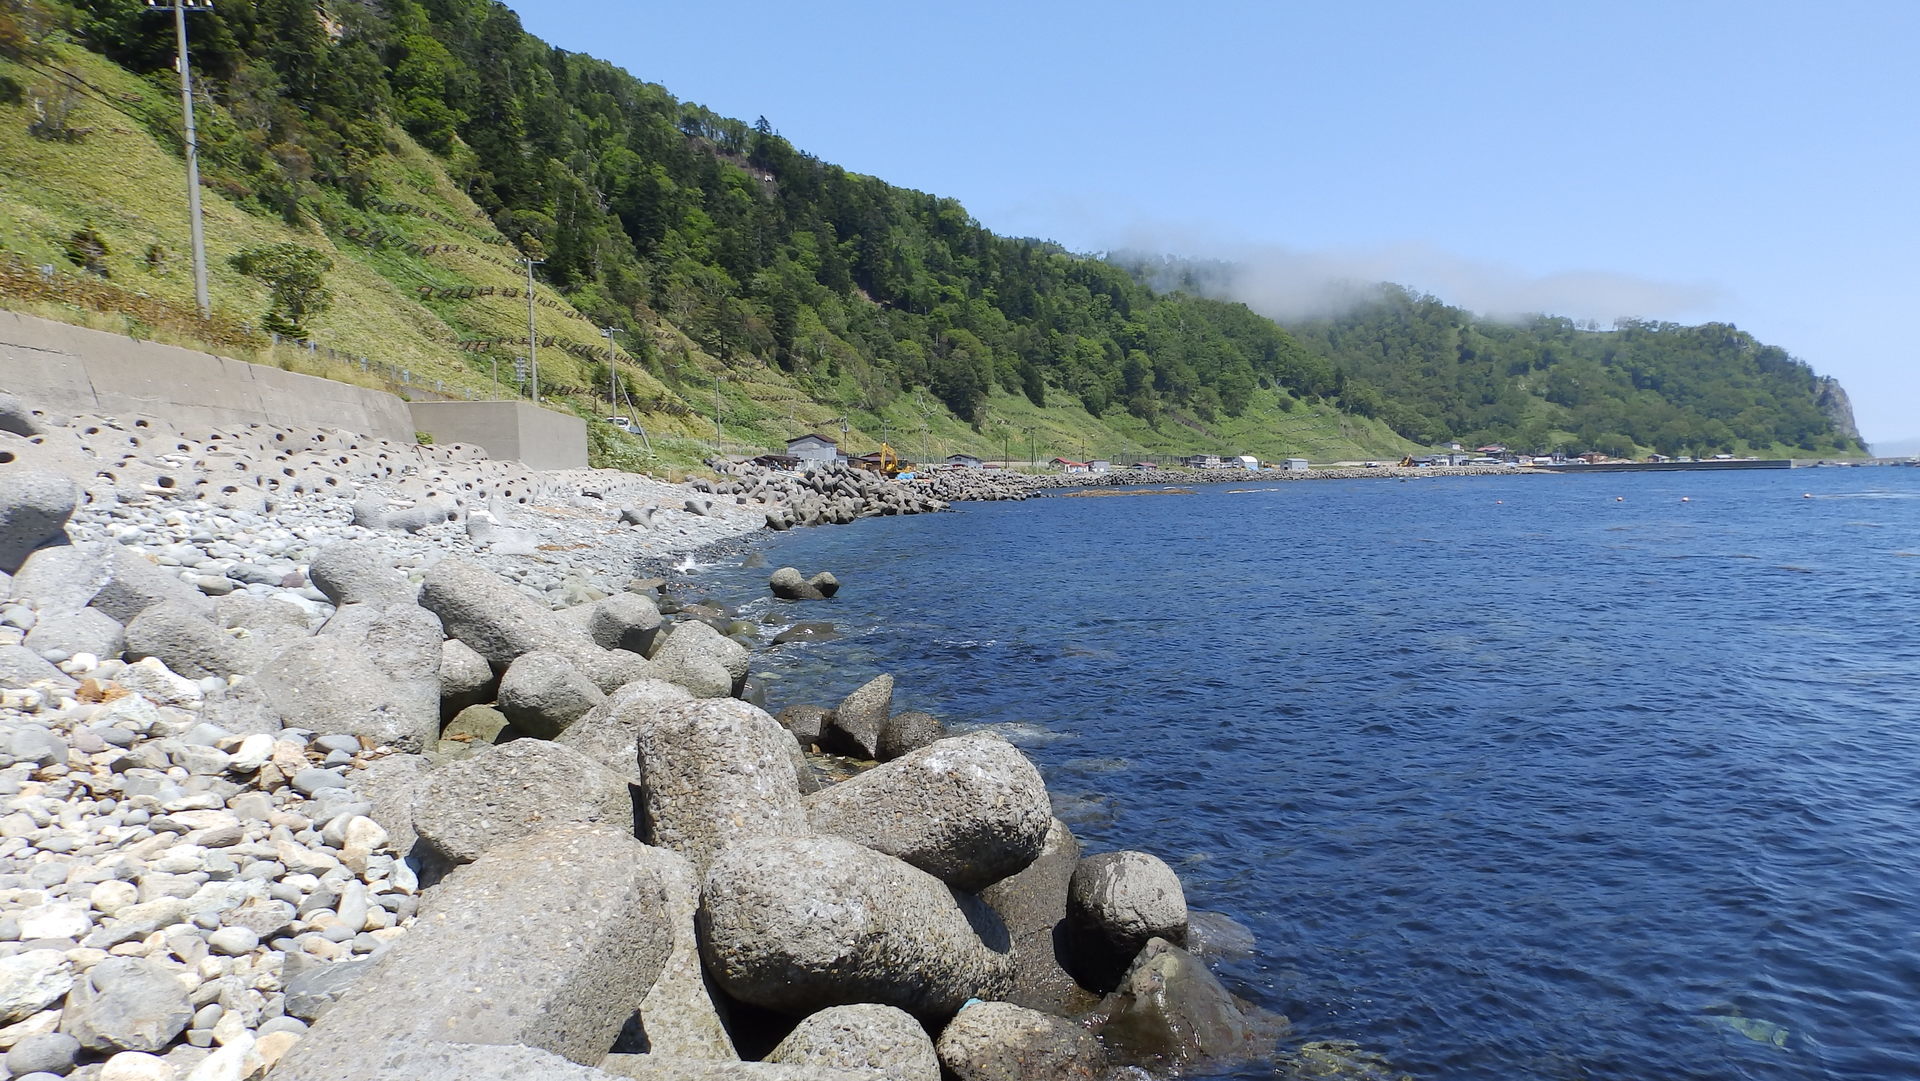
(295, 276)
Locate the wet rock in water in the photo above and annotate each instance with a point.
(970, 810)
(1336, 1060)
(1116, 902)
(797, 923)
(805, 722)
(863, 1037)
(855, 725)
(788, 585)
(998, 1041)
(1170, 1014)
(908, 731)
(1215, 936)
(1033, 904)
(806, 632)
(547, 941)
(525, 787)
(542, 693)
(126, 1004)
(713, 773)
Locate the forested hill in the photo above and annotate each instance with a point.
(730, 258)
(1442, 372)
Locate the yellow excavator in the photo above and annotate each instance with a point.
(890, 463)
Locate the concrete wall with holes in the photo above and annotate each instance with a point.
(67, 369)
(522, 431)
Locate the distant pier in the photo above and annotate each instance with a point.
(1666, 467)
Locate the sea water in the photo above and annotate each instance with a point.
(1604, 776)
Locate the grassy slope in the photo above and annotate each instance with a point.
(126, 185)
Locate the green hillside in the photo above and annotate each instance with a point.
(423, 147)
(1434, 372)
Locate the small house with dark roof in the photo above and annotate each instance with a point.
(964, 461)
(813, 448)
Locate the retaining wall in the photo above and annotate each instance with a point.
(62, 368)
(540, 438)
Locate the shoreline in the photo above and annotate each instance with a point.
(267, 696)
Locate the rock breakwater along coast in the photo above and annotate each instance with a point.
(329, 759)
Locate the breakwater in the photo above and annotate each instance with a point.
(1709, 465)
(978, 485)
(333, 758)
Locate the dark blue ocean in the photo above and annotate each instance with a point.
(1520, 777)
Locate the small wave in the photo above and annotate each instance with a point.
(1018, 733)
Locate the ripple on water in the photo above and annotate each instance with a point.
(1496, 799)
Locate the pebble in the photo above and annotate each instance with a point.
(137, 1066)
(233, 941)
(136, 824)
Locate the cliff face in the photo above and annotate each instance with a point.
(1833, 401)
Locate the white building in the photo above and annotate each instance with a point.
(813, 448)
(1296, 465)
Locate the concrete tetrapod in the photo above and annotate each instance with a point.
(854, 726)
(797, 923)
(549, 941)
(468, 807)
(867, 1037)
(610, 731)
(1034, 905)
(969, 810)
(713, 772)
(998, 1041)
(1116, 902)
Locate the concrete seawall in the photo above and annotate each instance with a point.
(75, 370)
(69, 369)
(521, 431)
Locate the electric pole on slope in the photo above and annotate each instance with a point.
(533, 336)
(180, 9)
(613, 390)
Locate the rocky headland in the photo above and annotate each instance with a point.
(330, 759)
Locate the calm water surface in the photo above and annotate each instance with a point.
(1528, 777)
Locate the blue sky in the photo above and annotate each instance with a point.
(1755, 162)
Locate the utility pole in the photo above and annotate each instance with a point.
(1031, 454)
(613, 388)
(716, 411)
(533, 336)
(180, 8)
